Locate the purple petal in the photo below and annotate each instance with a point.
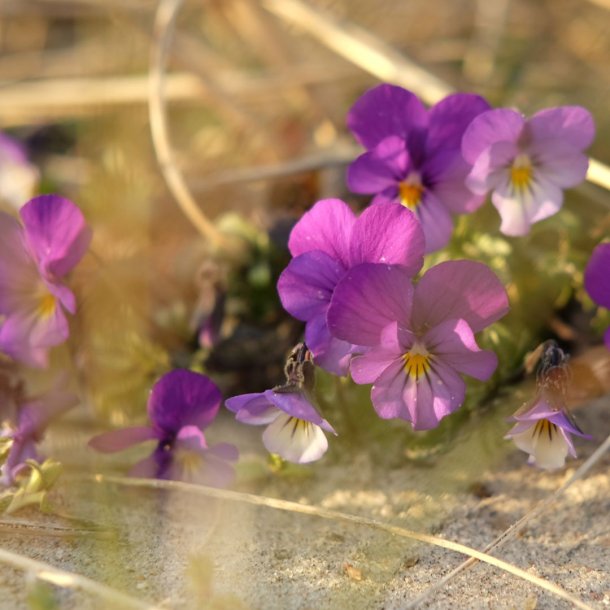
(147, 468)
(181, 398)
(453, 342)
(366, 300)
(224, 451)
(298, 405)
(326, 227)
(331, 354)
(118, 440)
(459, 289)
(56, 233)
(436, 222)
(253, 409)
(597, 275)
(306, 286)
(560, 163)
(449, 119)
(573, 125)
(383, 167)
(500, 125)
(17, 269)
(386, 110)
(387, 393)
(388, 234)
(371, 365)
(492, 168)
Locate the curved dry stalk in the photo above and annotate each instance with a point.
(70, 580)
(516, 527)
(163, 29)
(316, 511)
(376, 57)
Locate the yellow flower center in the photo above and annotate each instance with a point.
(47, 305)
(411, 191)
(521, 172)
(417, 362)
(191, 462)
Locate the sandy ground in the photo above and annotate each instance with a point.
(182, 551)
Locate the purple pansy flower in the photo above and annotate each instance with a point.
(597, 279)
(527, 163)
(413, 155)
(544, 427)
(294, 426)
(327, 242)
(18, 178)
(422, 339)
(181, 404)
(31, 421)
(34, 258)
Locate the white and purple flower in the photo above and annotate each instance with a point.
(181, 404)
(597, 279)
(414, 155)
(327, 242)
(421, 338)
(526, 163)
(294, 426)
(34, 259)
(18, 177)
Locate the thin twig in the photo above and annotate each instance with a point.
(162, 35)
(383, 61)
(516, 527)
(70, 580)
(316, 511)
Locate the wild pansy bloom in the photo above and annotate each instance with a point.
(526, 163)
(34, 259)
(421, 338)
(32, 419)
(294, 426)
(181, 404)
(597, 279)
(544, 426)
(327, 242)
(18, 178)
(414, 155)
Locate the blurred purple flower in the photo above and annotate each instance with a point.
(294, 426)
(32, 419)
(34, 258)
(18, 178)
(597, 279)
(181, 404)
(327, 242)
(527, 163)
(413, 155)
(422, 338)
(544, 427)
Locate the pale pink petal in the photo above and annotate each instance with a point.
(118, 440)
(573, 125)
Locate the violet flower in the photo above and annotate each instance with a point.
(413, 155)
(526, 163)
(32, 419)
(597, 279)
(294, 426)
(34, 259)
(181, 404)
(422, 339)
(327, 242)
(544, 426)
(18, 177)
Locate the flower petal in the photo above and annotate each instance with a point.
(181, 398)
(56, 232)
(453, 342)
(369, 367)
(572, 124)
(306, 286)
(559, 163)
(148, 468)
(459, 289)
(118, 440)
(366, 300)
(297, 405)
(499, 125)
(253, 409)
(295, 440)
(597, 275)
(330, 353)
(387, 395)
(386, 110)
(436, 222)
(326, 227)
(388, 234)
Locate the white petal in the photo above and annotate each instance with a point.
(295, 440)
(546, 451)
